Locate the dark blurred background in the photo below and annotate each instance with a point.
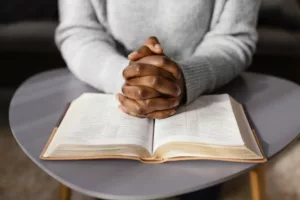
(27, 47)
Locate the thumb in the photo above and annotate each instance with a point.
(154, 45)
(140, 53)
(151, 47)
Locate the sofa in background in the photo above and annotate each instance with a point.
(27, 48)
(27, 44)
(278, 48)
(27, 39)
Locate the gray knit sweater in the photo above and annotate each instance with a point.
(213, 41)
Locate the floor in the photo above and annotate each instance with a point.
(22, 179)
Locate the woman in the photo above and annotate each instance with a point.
(199, 45)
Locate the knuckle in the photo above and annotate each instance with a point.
(155, 80)
(148, 103)
(139, 109)
(141, 93)
(123, 89)
(162, 60)
(138, 69)
(124, 73)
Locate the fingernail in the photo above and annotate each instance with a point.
(173, 112)
(117, 97)
(178, 91)
(176, 103)
(178, 76)
(157, 46)
(133, 53)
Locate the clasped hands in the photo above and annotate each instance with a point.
(154, 85)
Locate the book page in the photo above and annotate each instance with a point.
(94, 119)
(245, 129)
(208, 120)
(242, 154)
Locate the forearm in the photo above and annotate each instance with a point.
(214, 65)
(94, 62)
(226, 50)
(89, 51)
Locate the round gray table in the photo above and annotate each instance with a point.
(273, 105)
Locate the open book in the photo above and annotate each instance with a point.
(213, 127)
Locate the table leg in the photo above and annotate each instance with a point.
(257, 183)
(64, 193)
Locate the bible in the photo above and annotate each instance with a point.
(212, 127)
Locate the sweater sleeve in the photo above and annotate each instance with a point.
(88, 49)
(226, 49)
